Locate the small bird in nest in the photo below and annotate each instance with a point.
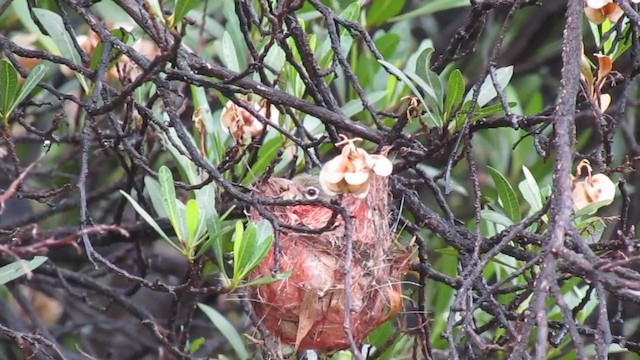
(310, 187)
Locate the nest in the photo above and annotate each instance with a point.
(307, 309)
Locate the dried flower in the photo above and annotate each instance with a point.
(593, 189)
(599, 10)
(240, 122)
(350, 172)
(594, 85)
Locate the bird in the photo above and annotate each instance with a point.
(310, 187)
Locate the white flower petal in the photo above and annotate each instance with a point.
(597, 4)
(604, 188)
(332, 171)
(382, 166)
(579, 196)
(356, 178)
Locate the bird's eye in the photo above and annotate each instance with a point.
(311, 192)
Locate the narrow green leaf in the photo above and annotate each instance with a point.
(266, 154)
(591, 208)
(168, 191)
(32, 80)
(196, 344)
(122, 35)
(506, 193)
(487, 89)
(8, 88)
(351, 12)
(152, 187)
(530, 190)
(238, 246)
(268, 279)
(381, 10)
(229, 55)
(192, 214)
(455, 91)
(495, 217)
(19, 268)
(226, 329)
(52, 22)
(423, 70)
(149, 219)
(432, 7)
(353, 107)
(249, 252)
(182, 8)
(215, 242)
(244, 253)
(21, 10)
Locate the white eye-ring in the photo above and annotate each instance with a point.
(311, 192)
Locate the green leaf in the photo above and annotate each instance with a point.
(52, 22)
(432, 7)
(268, 279)
(149, 219)
(182, 8)
(226, 329)
(215, 242)
(196, 344)
(591, 208)
(8, 88)
(431, 78)
(206, 195)
(152, 186)
(266, 154)
(168, 191)
(228, 54)
(495, 217)
(122, 35)
(21, 10)
(19, 268)
(32, 80)
(238, 238)
(351, 13)
(506, 194)
(455, 91)
(381, 10)
(487, 90)
(353, 107)
(192, 215)
(530, 190)
(401, 75)
(250, 247)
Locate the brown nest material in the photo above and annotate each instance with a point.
(307, 309)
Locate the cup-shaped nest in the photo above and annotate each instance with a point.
(307, 309)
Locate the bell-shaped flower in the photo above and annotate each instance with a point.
(352, 170)
(593, 189)
(599, 10)
(240, 122)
